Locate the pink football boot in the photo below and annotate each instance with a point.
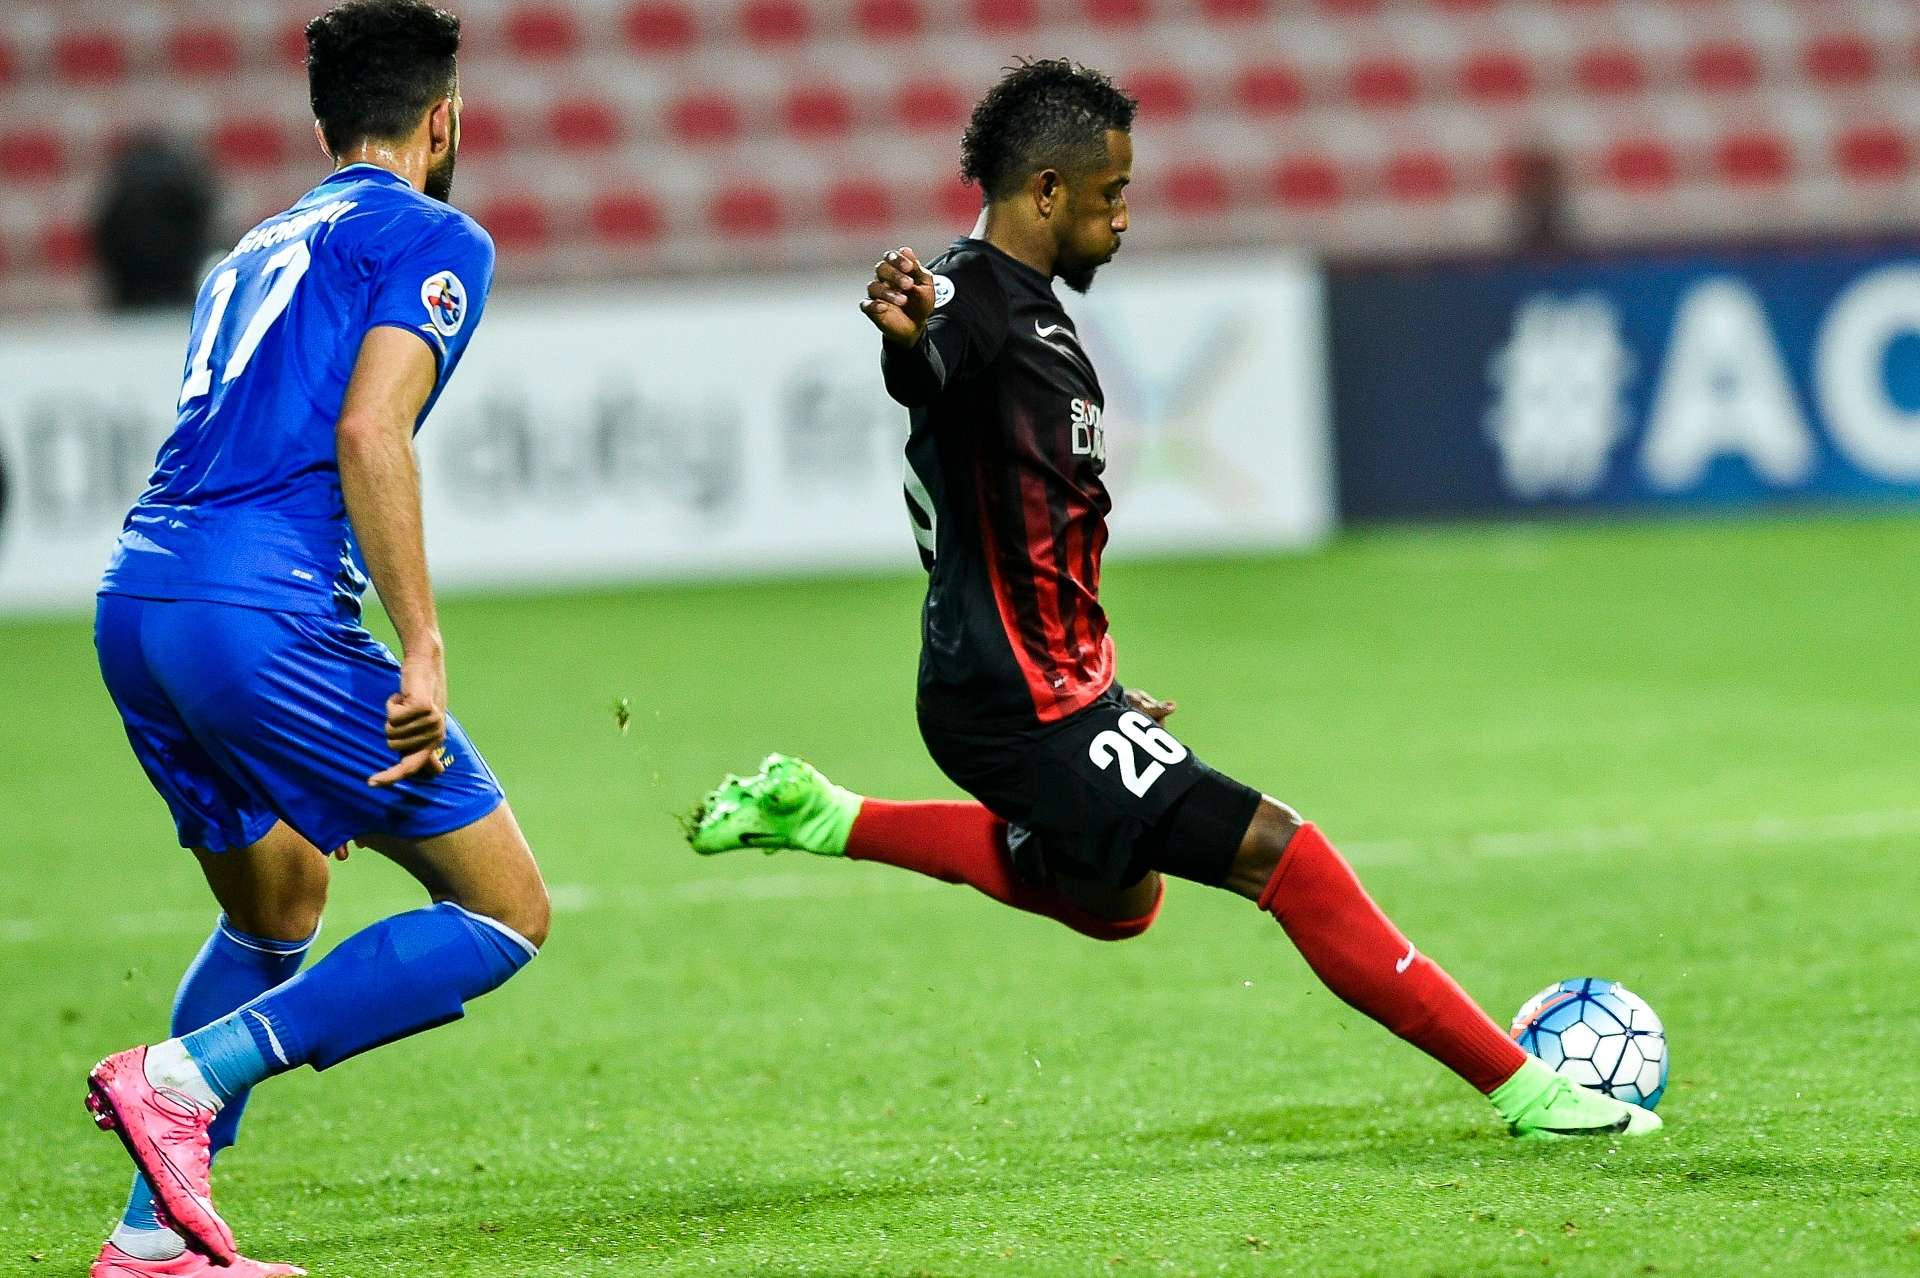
(166, 1135)
(114, 1263)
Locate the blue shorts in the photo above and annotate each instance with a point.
(243, 717)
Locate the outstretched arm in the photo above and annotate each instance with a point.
(380, 480)
(919, 357)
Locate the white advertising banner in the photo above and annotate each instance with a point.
(676, 431)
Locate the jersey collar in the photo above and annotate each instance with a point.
(363, 171)
(1020, 267)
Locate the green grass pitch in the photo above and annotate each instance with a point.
(1683, 756)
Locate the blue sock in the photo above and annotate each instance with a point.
(231, 969)
(402, 975)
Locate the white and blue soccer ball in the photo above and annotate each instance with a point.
(1600, 1034)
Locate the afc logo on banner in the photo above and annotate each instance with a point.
(1089, 436)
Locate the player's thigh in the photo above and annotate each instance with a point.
(485, 867)
(1133, 900)
(275, 887)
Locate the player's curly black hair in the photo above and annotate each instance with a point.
(375, 66)
(1047, 113)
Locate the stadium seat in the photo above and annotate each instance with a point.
(659, 27)
(483, 129)
(1307, 182)
(1233, 10)
(202, 51)
(774, 22)
(885, 21)
(1723, 67)
(957, 204)
(584, 124)
(704, 119)
(627, 217)
(1110, 15)
(817, 111)
(1640, 165)
(90, 56)
(518, 223)
(1005, 17)
(860, 204)
(1269, 88)
(1383, 84)
(66, 246)
(930, 106)
(747, 211)
(250, 144)
(1165, 94)
(1841, 60)
(1608, 71)
(1873, 153)
(9, 62)
(1753, 158)
(542, 33)
(1417, 177)
(31, 155)
(290, 47)
(1495, 77)
(1197, 188)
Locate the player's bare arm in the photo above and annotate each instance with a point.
(900, 298)
(380, 479)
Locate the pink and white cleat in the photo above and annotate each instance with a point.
(165, 1133)
(114, 1263)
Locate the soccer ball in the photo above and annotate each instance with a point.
(1599, 1034)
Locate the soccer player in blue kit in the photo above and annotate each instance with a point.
(228, 627)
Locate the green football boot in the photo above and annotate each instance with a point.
(786, 805)
(1539, 1104)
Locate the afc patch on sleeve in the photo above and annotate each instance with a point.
(445, 298)
(943, 291)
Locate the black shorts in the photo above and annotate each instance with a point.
(1103, 795)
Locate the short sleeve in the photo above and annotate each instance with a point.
(435, 283)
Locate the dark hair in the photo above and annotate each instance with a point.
(375, 66)
(1047, 114)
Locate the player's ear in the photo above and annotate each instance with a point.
(320, 136)
(440, 126)
(1047, 187)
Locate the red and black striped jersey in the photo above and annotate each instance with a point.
(1003, 487)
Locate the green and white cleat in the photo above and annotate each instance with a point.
(1539, 1104)
(786, 805)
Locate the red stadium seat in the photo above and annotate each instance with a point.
(1232, 10)
(1753, 158)
(1723, 67)
(775, 21)
(1307, 182)
(817, 111)
(1608, 71)
(542, 32)
(1641, 165)
(66, 246)
(1873, 153)
(1381, 84)
(483, 129)
(1418, 177)
(9, 62)
(860, 204)
(704, 119)
(930, 106)
(584, 124)
(30, 155)
(250, 144)
(1269, 89)
(518, 223)
(747, 211)
(1005, 17)
(1197, 188)
(202, 51)
(1165, 93)
(1841, 60)
(884, 20)
(957, 203)
(627, 217)
(659, 27)
(1110, 14)
(291, 45)
(90, 56)
(1494, 77)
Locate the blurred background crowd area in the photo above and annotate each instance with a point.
(607, 139)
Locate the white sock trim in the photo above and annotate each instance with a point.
(147, 1244)
(240, 939)
(519, 940)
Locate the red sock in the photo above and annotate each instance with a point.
(1362, 957)
(965, 843)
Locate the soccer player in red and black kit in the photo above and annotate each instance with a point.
(1084, 798)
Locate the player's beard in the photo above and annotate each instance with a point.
(440, 178)
(1080, 278)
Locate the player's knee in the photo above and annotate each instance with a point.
(1272, 829)
(528, 911)
(288, 908)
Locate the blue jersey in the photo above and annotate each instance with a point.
(244, 506)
